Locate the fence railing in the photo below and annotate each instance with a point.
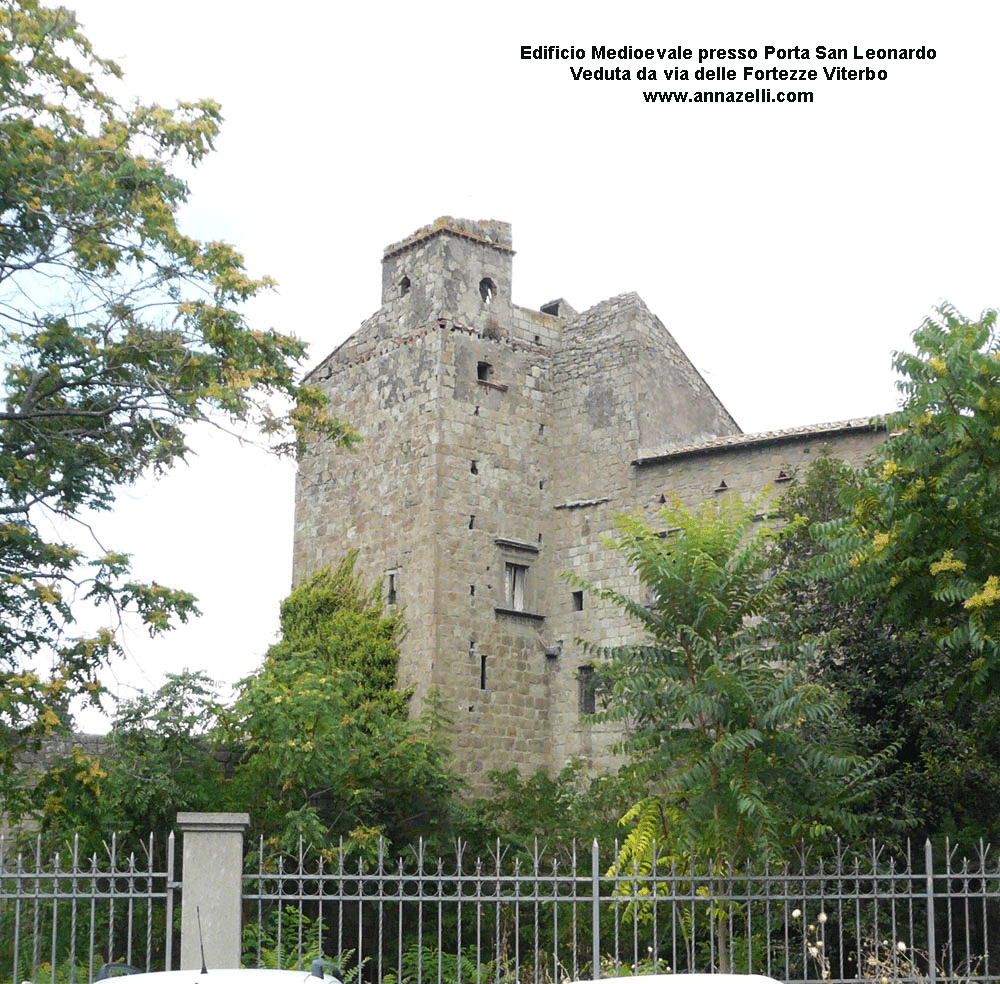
(530, 917)
(868, 915)
(64, 915)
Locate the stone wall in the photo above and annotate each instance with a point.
(754, 467)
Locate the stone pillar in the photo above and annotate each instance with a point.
(212, 884)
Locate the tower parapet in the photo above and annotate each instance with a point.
(456, 270)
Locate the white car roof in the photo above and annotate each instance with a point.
(221, 977)
(304, 977)
(688, 979)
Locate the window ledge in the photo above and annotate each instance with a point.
(502, 541)
(500, 387)
(515, 613)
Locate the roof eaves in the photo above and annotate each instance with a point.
(735, 441)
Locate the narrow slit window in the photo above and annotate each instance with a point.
(587, 690)
(482, 671)
(577, 601)
(390, 589)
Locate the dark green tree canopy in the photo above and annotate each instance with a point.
(722, 724)
(157, 759)
(893, 678)
(317, 743)
(326, 748)
(118, 332)
(923, 530)
(343, 624)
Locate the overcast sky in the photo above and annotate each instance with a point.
(789, 248)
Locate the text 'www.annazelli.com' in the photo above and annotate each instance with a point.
(726, 96)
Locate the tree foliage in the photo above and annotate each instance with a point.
(317, 743)
(326, 748)
(342, 622)
(923, 532)
(118, 331)
(156, 761)
(892, 678)
(722, 723)
(552, 811)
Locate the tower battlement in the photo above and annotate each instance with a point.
(487, 231)
(451, 270)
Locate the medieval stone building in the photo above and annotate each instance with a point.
(498, 445)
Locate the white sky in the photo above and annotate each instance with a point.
(790, 249)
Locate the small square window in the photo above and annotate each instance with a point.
(516, 582)
(483, 371)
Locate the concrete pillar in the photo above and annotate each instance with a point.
(212, 880)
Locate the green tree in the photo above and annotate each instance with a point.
(157, 760)
(892, 679)
(326, 748)
(342, 623)
(722, 724)
(553, 811)
(117, 331)
(923, 531)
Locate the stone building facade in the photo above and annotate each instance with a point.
(498, 445)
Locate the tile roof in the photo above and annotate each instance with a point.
(764, 437)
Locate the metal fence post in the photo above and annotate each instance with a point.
(171, 885)
(212, 886)
(931, 946)
(595, 868)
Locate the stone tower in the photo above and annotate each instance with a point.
(498, 444)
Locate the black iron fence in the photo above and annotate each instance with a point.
(870, 915)
(532, 917)
(64, 915)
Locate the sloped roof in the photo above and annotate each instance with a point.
(764, 437)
